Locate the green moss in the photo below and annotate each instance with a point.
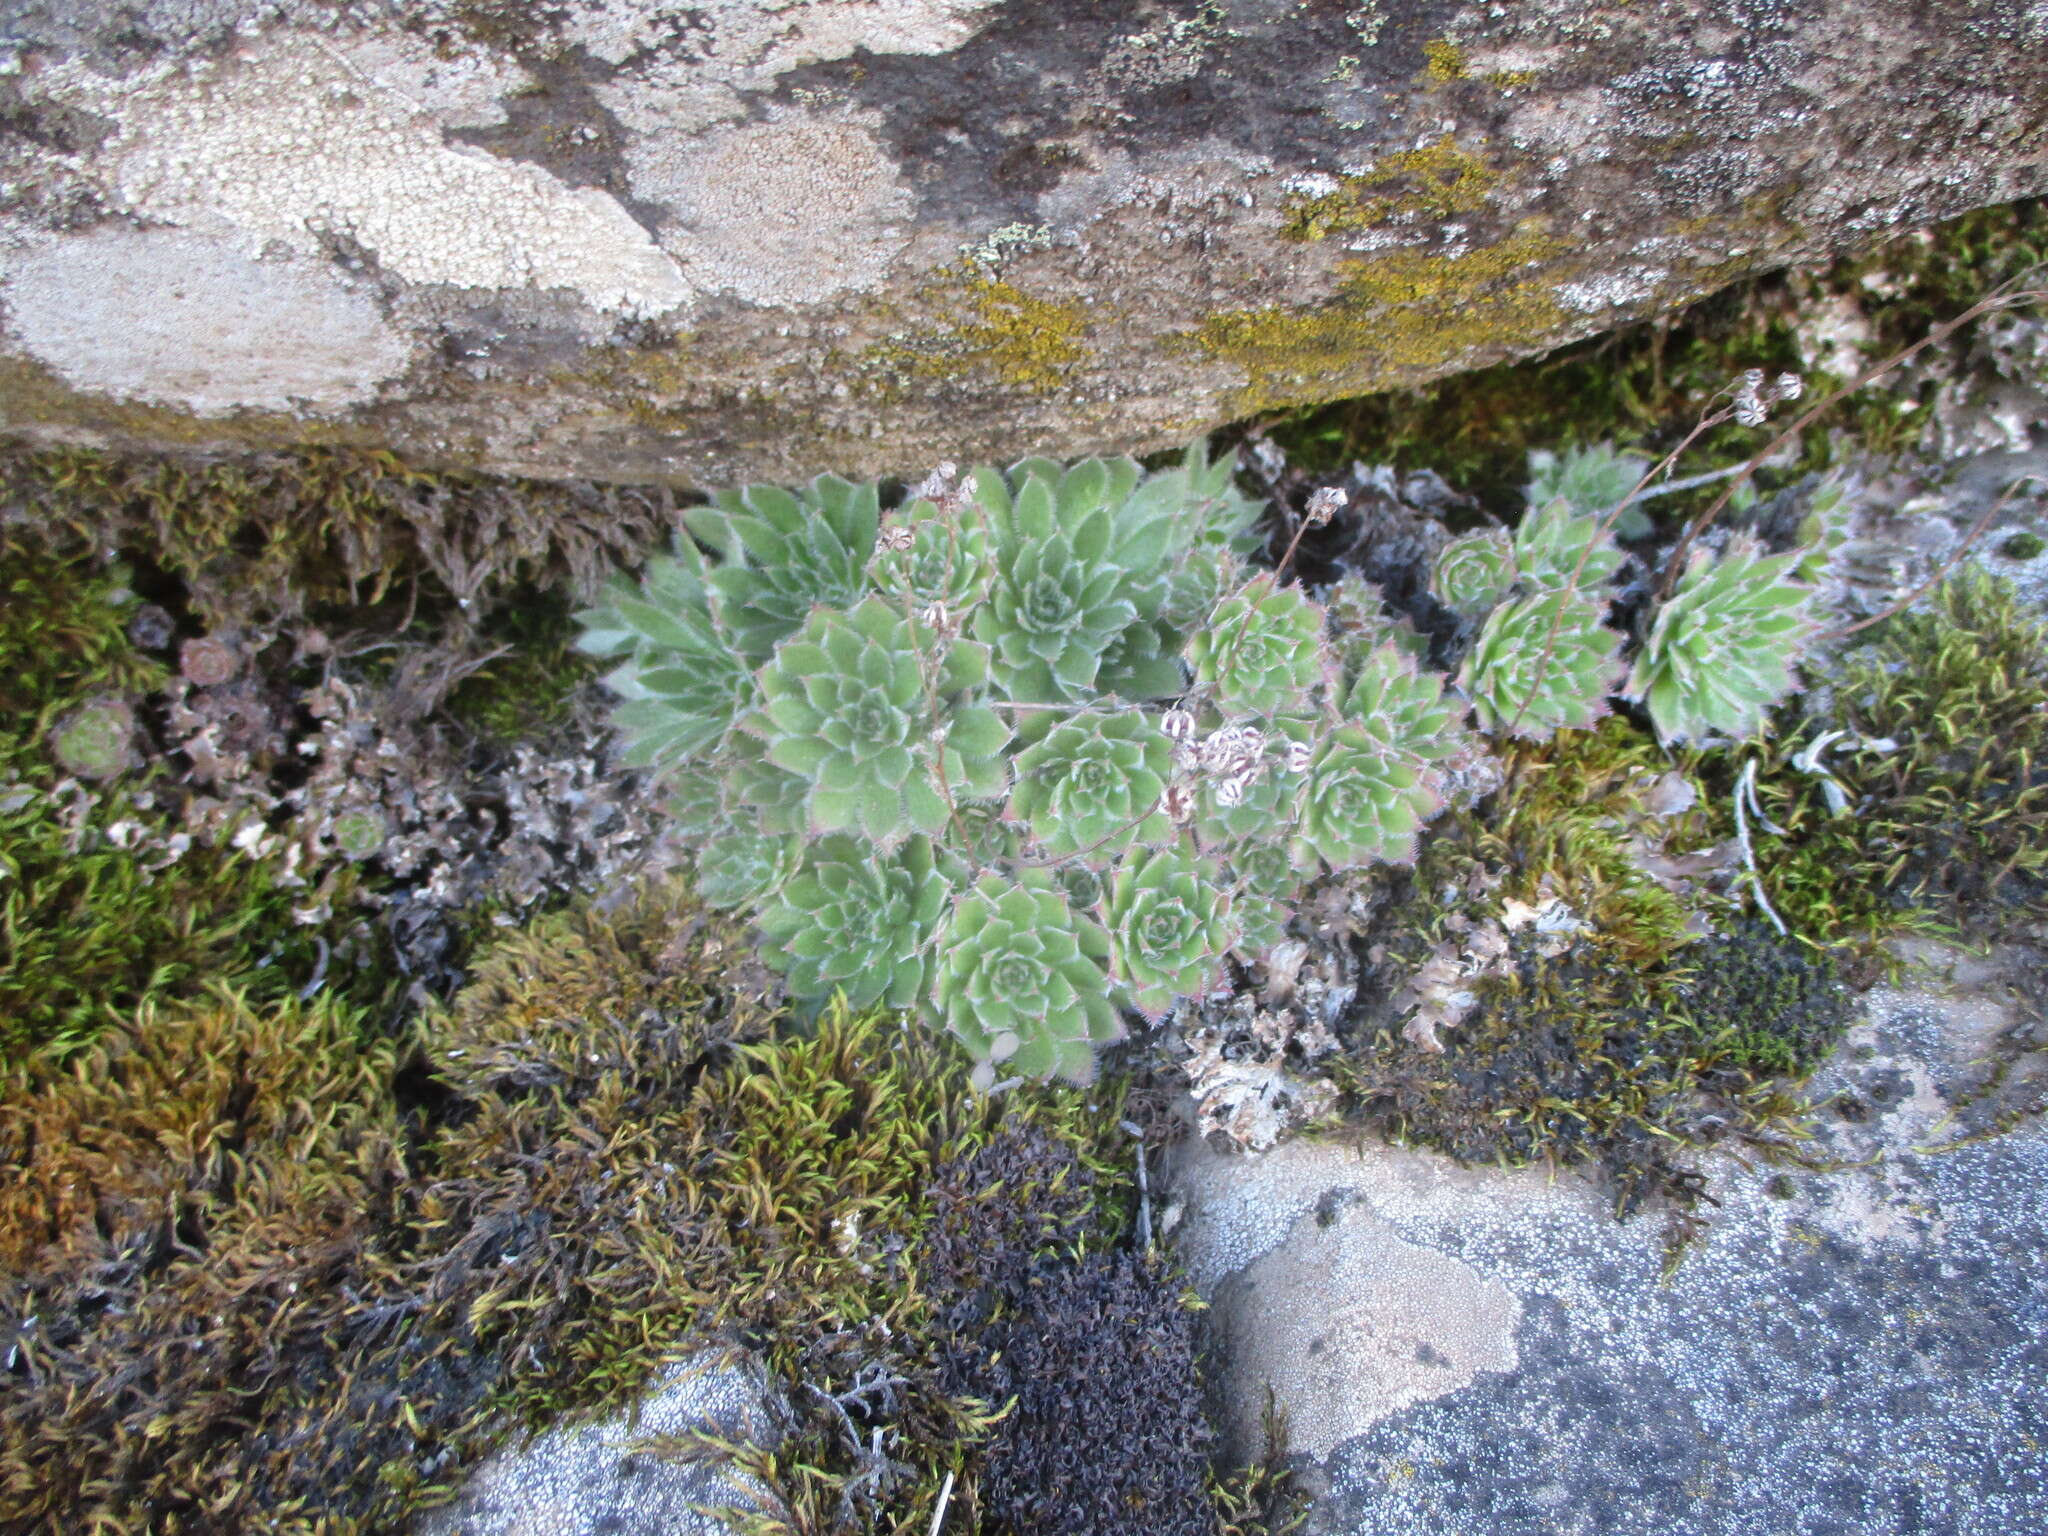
(1401, 314)
(1570, 821)
(988, 329)
(1638, 1041)
(286, 1263)
(1590, 1060)
(274, 535)
(1439, 181)
(94, 922)
(533, 688)
(2023, 546)
(1950, 830)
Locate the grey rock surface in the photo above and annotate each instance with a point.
(760, 238)
(617, 1477)
(1859, 1350)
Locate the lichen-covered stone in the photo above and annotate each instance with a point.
(591, 240)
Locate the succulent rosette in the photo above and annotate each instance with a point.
(782, 555)
(946, 560)
(846, 707)
(1473, 572)
(1169, 927)
(683, 683)
(1399, 704)
(1542, 664)
(1092, 786)
(1556, 543)
(1058, 599)
(852, 919)
(1721, 650)
(1362, 804)
(1260, 652)
(1263, 883)
(1019, 979)
(1592, 480)
(742, 868)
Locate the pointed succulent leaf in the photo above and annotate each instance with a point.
(1542, 664)
(947, 561)
(1264, 885)
(1169, 926)
(1359, 624)
(1245, 786)
(1056, 601)
(855, 920)
(1720, 651)
(1261, 650)
(1091, 788)
(696, 805)
(1208, 510)
(784, 554)
(1143, 663)
(1019, 979)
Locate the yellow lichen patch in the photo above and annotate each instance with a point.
(991, 328)
(1446, 61)
(1439, 181)
(1396, 316)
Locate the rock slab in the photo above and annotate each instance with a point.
(742, 239)
(1861, 1351)
(623, 1476)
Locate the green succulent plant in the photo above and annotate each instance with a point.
(846, 707)
(1355, 612)
(1362, 804)
(1542, 664)
(1245, 792)
(683, 683)
(1019, 979)
(1059, 598)
(1404, 707)
(696, 804)
(781, 555)
(1826, 526)
(1092, 787)
(1169, 927)
(1263, 882)
(1473, 572)
(946, 560)
(1200, 498)
(855, 920)
(359, 833)
(1721, 649)
(742, 868)
(1260, 652)
(1556, 545)
(1593, 480)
